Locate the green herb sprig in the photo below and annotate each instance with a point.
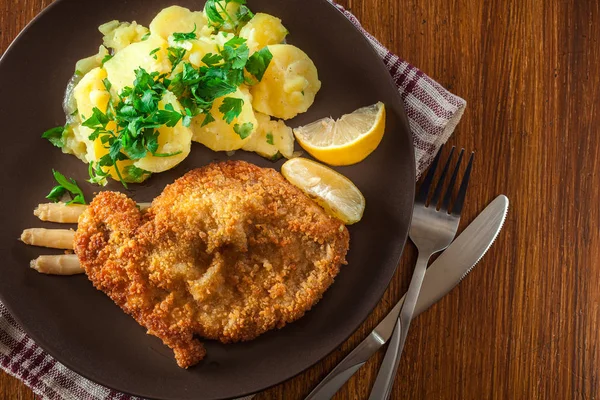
(182, 37)
(219, 18)
(57, 136)
(65, 185)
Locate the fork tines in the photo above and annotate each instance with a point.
(424, 191)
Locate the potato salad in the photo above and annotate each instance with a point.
(223, 77)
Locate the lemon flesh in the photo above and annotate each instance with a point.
(346, 141)
(331, 190)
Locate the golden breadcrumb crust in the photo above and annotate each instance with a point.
(226, 252)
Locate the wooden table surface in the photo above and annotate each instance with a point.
(525, 324)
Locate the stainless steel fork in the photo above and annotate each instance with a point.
(432, 230)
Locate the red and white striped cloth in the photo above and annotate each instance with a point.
(433, 113)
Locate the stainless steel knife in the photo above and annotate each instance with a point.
(441, 277)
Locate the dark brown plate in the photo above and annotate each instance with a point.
(83, 328)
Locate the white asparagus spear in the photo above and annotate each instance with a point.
(59, 212)
(63, 213)
(66, 264)
(52, 238)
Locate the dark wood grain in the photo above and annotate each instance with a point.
(525, 324)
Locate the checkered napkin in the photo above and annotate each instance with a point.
(433, 113)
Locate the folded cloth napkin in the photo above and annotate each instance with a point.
(433, 113)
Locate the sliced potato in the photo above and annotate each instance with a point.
(289, 84)
(263, 30)
(176, 19)
(121, 68)
(270, 138)
(118, 35)
(89, 93)
(218, 135)
(170, 140)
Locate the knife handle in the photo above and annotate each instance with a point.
(346, 368)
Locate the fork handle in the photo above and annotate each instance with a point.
(382, 389)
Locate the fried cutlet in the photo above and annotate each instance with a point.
(226, 252)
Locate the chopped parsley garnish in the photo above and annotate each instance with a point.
(65, 185)
(136, 174)
(243, 130)
(211, 59)
(57, 135)
(243, 15)
(231, 108)
(218, 16)
(198, 88)
(145, 37)
(259, 62)
(107, 84)
(153, 53)
(182, 37)
(106, 58)
(270, 138)
(128, 129)
(175, 55)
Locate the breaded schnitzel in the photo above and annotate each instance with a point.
(226, 252)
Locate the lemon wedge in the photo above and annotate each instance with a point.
(346, 141)
(330, 189)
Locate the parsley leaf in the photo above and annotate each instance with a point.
(243, 15)
(211, 59)
(106, 58)
(168, 116)
(56, 193)
(270, 138)
(219, 18)
(153, 53)
(57, 135)
(231, 108)
(259, 62)
(175, 55)
(212, 14)
(145, 37)
(244, 130)
(207, 119)
(235, 52)
(107, 84)
(65, 185)
(97, 118)
(135, 174)
(181, 37)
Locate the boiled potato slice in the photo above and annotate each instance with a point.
(118, 35)
(121, 68)
(176, 19)
(218, 135)
(263, 30)
(170, 140)
(289, 84)
(270, 138)
(89, 93)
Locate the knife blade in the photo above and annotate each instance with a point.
(441, 277)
